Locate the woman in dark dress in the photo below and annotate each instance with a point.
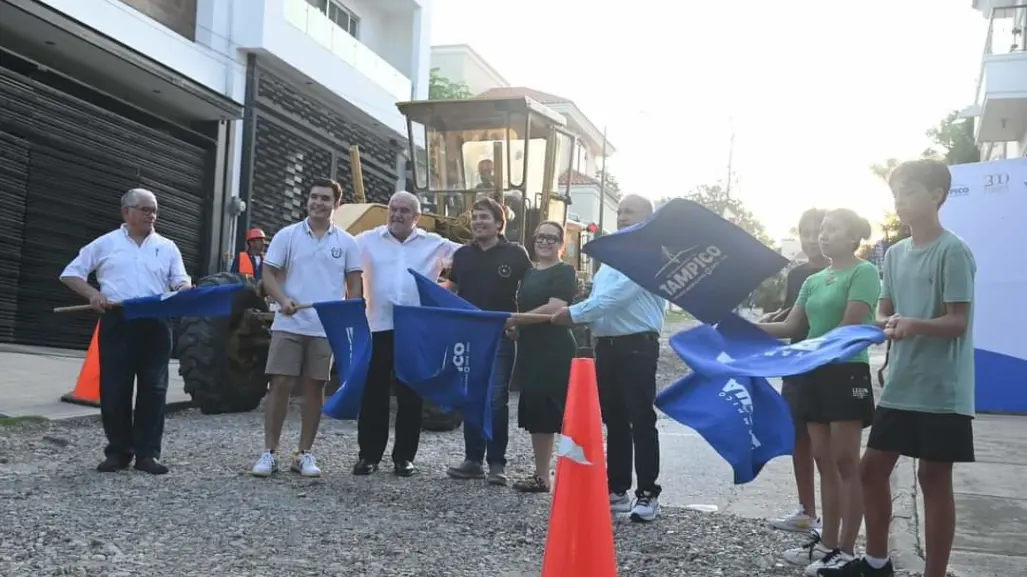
(544, 351)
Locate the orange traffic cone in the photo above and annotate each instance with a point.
(580, 539)
(87, 389)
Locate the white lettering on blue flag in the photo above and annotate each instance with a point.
(736, 394)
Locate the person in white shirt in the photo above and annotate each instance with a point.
(309, 261)
(388, 251)
(131, 262)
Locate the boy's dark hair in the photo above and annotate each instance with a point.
(493, 207)
(328, 183)
(931, 174)
(812, 215)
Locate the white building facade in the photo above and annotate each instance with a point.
(460, 63)
(1001, 101)
(205, 102)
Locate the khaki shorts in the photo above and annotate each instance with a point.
(294, 355)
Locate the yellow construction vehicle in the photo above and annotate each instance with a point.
(512, 149)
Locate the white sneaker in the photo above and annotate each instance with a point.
(266, 465)
(620, 503)
(646, 509)
(833, 560)
(798, 522)
(808, 553)
(305, 464)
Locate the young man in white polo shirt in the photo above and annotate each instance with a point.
(308, 262)
(388, 252)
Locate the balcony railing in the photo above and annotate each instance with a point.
(316, 24)
(1007, 34)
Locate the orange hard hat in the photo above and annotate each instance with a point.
(254, 234)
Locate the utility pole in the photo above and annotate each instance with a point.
(602, 186)
(730, 158)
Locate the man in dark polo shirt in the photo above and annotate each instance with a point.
(487, 273)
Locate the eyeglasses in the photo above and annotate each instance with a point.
(547, 239)
(147, 210)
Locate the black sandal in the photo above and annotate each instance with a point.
(533, 484)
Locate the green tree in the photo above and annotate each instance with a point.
(954, 141)
(442, 88)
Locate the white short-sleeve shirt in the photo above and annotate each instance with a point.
(315, 271)
(386, 260)
(127, 270)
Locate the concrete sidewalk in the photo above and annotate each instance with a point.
(991, 511)
(32, 380)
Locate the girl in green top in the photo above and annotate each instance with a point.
(838, 399)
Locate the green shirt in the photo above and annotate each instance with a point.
(825, 295)
(930, 374)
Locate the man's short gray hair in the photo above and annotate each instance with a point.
(408, 197)
(132, 197)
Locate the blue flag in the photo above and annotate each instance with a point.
(745, 420)
(690, 256)
(432, 294)
(345, 325)
(446, 356)
(204, 301)
(716, 353)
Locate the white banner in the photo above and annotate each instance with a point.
(987, 208)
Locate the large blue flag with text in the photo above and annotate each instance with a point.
(690, 256)
(204, 301)
(743, 419)
(345, 325)
(446, 356)
(709, 351)
(432, 294)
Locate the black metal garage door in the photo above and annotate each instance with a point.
(64, 164)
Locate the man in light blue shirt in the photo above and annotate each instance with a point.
(626, 320)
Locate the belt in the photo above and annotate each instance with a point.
(632, 338)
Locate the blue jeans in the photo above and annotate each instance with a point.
(476, 446)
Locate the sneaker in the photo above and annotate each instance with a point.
(266, 465)
(858, 568)
(808, 553)
(497, 475)
(466, 470)
(305, 464)
(620, 503)
(834, 560)
(798, 522)
(646, 509)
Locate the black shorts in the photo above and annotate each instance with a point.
(839, 392)
(793, 389)
(939, 437)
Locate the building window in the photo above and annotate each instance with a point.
(340, 15)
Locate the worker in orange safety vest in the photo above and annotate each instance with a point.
(250, 262)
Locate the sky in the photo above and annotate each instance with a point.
(816, 91)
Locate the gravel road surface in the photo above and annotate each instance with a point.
(210, 517)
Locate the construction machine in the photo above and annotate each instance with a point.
(511, 149)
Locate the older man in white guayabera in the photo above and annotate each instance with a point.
(388, 251)
(626, 320)
(131, 262)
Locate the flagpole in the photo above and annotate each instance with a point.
(602, 186)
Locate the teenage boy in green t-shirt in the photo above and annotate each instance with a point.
(927, 406)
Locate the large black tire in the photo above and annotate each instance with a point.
(222, 359)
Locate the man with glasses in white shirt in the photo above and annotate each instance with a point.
(388, 251)
(131, 262)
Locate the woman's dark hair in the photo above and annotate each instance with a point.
(812, 215)
(328, 183)
(551, 223)
(856, 224)
(493, 207)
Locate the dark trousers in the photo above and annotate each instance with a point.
(476, 447)
(626, 371)
(373, 423)
(134, 357)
